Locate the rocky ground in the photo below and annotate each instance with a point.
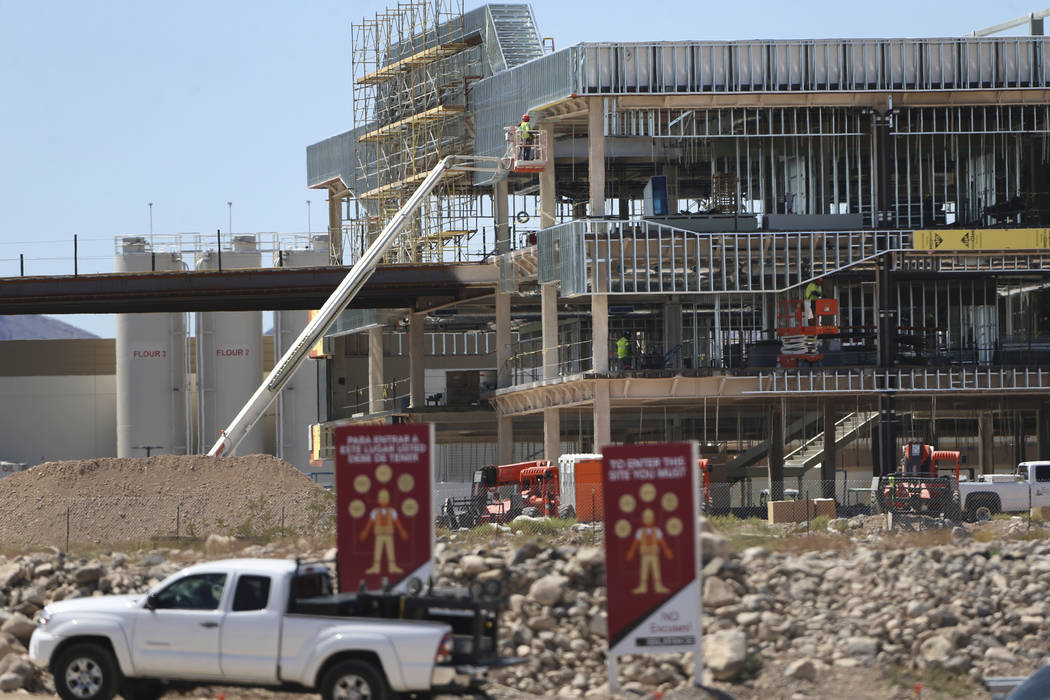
(849, 611)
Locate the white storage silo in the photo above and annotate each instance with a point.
(229, 354)
(151, 365)
(297, 403)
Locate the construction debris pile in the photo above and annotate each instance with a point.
(135, 500)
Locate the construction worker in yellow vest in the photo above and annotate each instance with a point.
(525, 137)
(813, 292)
(623, 351)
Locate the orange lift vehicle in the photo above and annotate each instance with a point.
(918, 487)
(800, 329)
(535, 484)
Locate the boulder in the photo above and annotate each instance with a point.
(936, 651)
(20, 626)
(88, 574)
(718, 593)
(11, 574)
(802, 669)
(725, 653)
(861, 646)
(590, 556)
(548, 590)
(10, 681)
(473, 565)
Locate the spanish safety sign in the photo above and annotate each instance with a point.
(652, 547)
(384, 528)
(982, 239)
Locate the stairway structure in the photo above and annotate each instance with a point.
(516, 32)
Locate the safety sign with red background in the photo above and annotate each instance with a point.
(384, 527)
(651, 547)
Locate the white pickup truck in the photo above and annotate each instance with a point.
(1028, 486)
(264, 622)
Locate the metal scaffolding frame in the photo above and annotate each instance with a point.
(411, 66)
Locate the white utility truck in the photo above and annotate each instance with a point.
(1028, 487)
(268, 623)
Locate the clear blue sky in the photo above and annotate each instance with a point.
(110, 105)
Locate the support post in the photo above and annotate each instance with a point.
(986, 443)
(600, 333)
(673, 333)
(551, 434)
(776, 453)
(501, 216)
(602, 430)
(547, 197)
(596, 156)
(830, 459)
(549, 318)
(375, 369)
(416, 361)
(1043, 430)
(887, 452)
(505, 438)
(504, 376)
(335, 224)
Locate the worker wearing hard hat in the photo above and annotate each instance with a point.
(525, 137)
(813, 292)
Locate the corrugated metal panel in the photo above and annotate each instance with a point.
(500, 101)
(332, 158)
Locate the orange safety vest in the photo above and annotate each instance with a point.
(650, 538)
(384, 519)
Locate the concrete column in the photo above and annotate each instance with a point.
(671, 173)
(501, 215)
(600, 333)
(335, 227)
(776, 454)
(551, 434)
(596, 155)
(503, 368)
(602, 430)
(673, 331)
(375, 369)
(549, 318)
(505, 438)
(1042, 427)
(986, 443)
(416, 361)
(827, 464)
(547, 199)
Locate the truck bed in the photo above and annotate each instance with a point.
(475, 624)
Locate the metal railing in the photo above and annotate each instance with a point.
(913, 380)
(644, 257)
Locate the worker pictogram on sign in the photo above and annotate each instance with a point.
(651, 495)
(649, 541)
(384, 526)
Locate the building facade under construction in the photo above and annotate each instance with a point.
(800, 253)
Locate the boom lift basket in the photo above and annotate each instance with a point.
(528, 157)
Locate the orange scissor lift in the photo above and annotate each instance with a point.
(799, 334)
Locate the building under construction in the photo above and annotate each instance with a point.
(799, 253)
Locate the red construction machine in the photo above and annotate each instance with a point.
(918, 486)
(499, 494)
(800, 323)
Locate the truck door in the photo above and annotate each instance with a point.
(179, 637)
(1041, 485)
(249, 638)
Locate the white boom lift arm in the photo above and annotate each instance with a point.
(340, 299)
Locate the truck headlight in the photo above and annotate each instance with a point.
(45, 617)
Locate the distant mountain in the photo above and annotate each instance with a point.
(37, 327)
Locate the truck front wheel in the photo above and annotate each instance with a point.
(86, 672)
(353, 680)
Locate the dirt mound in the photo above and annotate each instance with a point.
(113, 500)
